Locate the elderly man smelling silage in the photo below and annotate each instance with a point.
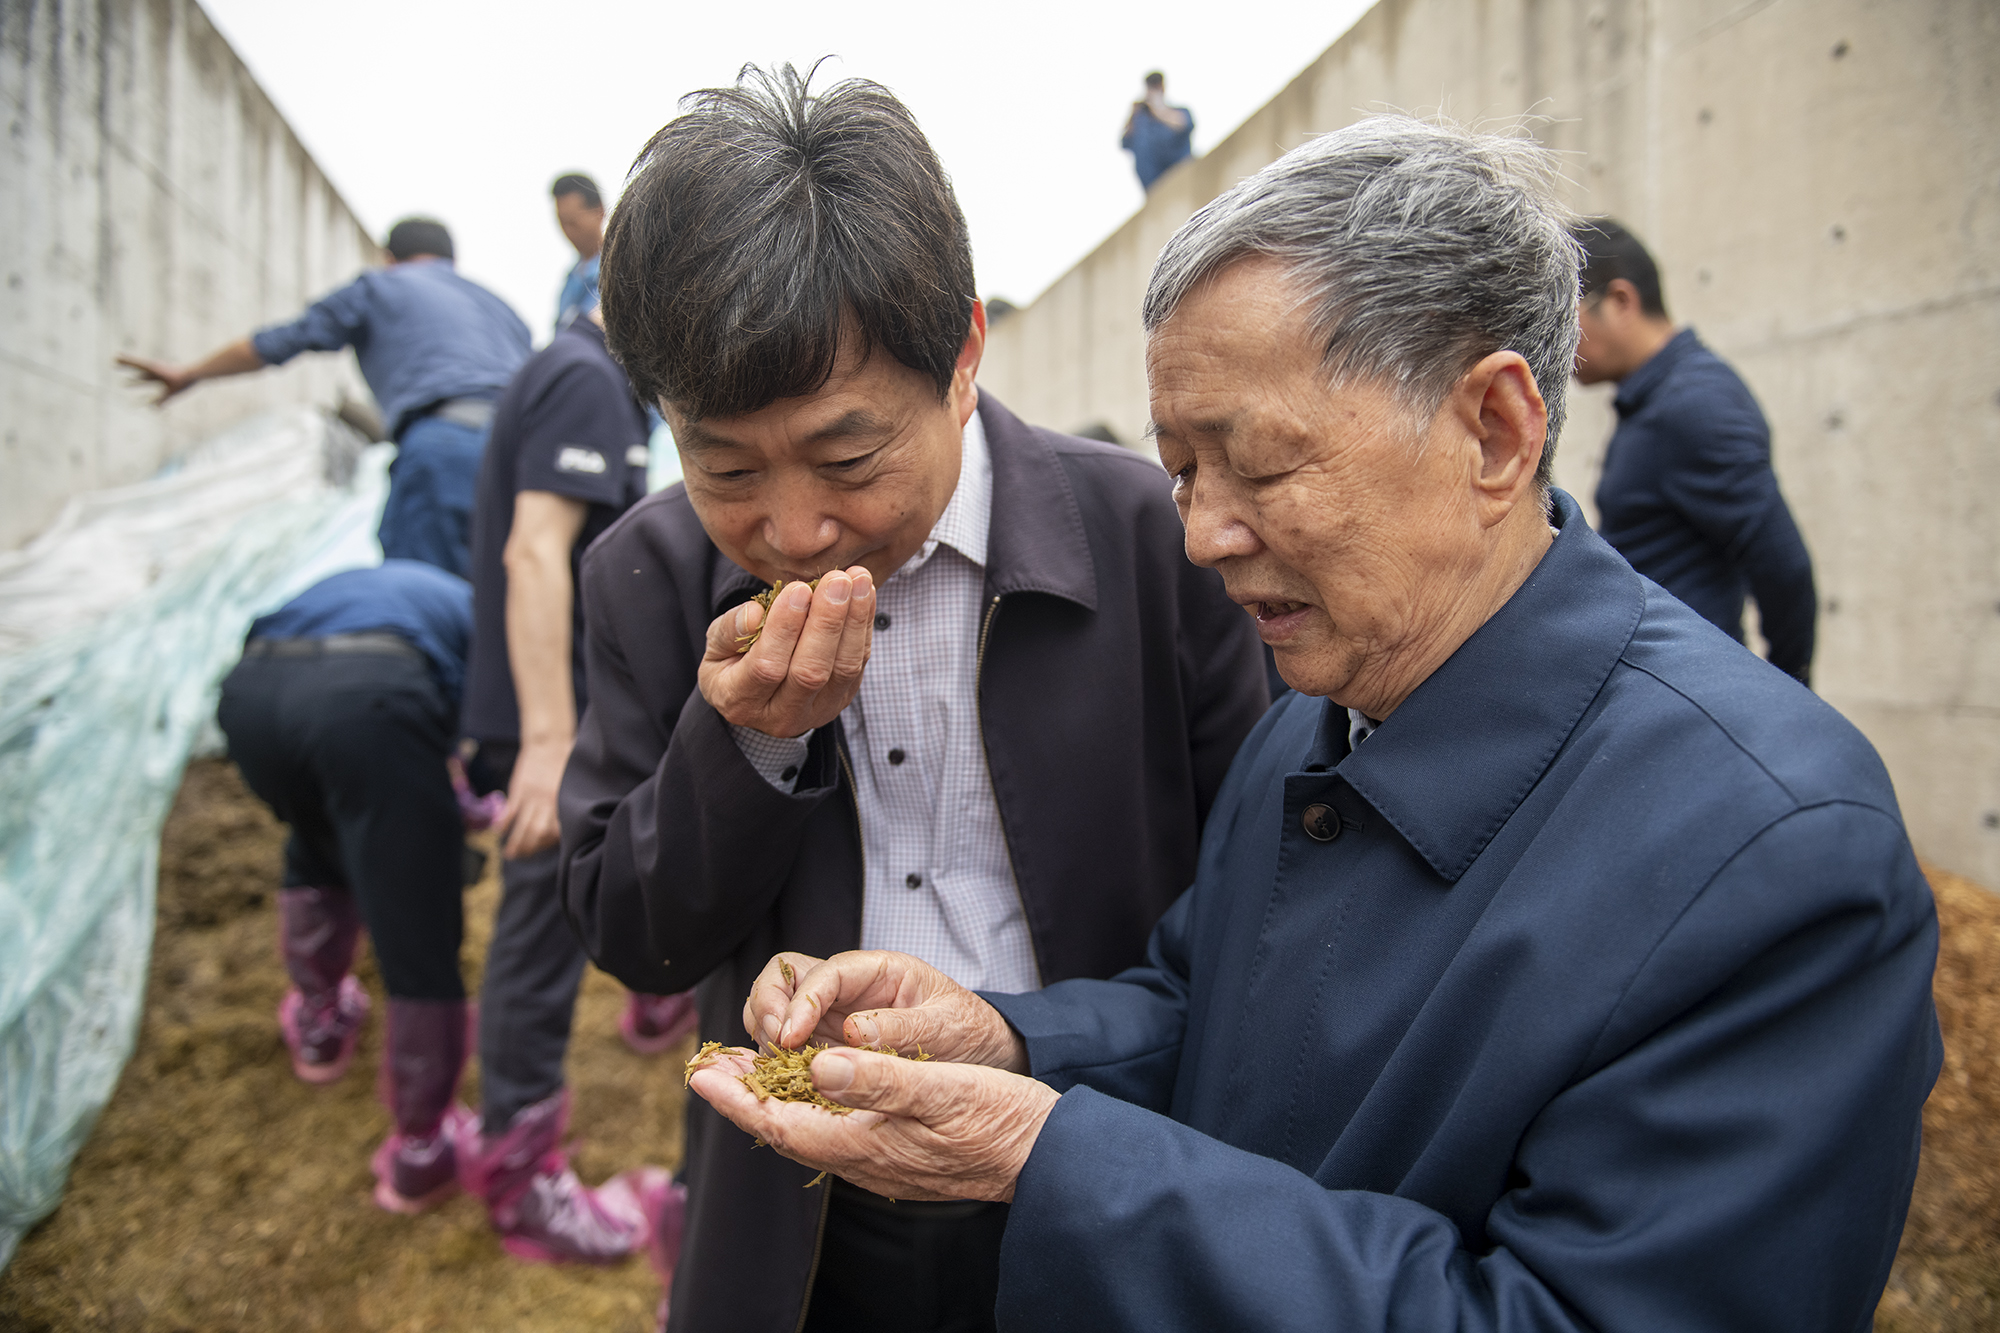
(1551, 962)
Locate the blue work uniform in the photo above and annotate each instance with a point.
(1591, 991)
(340, 717)
(436, 349)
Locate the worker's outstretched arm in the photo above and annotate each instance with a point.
(238, 358)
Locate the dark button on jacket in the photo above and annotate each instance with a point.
(1118, 681)
(1688, 496)
(1609, 1010)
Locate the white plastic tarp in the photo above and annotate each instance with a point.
(115, 627)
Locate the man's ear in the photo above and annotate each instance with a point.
(963, 393)
(1623, 299)
(1500, 406)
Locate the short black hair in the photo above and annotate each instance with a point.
(1610, 252)
(766, 223)
(418, 236)
(576, 182)
(1155, 79)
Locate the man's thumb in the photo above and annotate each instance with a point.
(869, 1081)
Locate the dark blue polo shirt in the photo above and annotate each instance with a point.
(408, 598)
(1688, 496)
(567, 424)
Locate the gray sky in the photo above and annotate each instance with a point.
(468, 110)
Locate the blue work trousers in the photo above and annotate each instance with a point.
(428, 515)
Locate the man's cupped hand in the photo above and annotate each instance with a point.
(957, 1126)
(806, 663)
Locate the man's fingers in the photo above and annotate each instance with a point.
(841, 984)
(858, 633)
(727, 629)
(926, 1028)
(818, 642)
(772, 994)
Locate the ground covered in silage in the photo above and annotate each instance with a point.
(220, 1194)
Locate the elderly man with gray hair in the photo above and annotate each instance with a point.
(1551, 962)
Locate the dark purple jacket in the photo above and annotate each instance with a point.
(1115, 684)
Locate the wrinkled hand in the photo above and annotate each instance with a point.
(921, 1130)
(876, 998)
(171, 379)
(806, 664)
(528, 824)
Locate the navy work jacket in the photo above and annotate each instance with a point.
(1597, 997)
(1688, 496)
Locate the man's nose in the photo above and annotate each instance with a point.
(1216, 527)
(798, 528)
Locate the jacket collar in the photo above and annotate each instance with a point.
(1035, 539)
(1637, 386)
(1037, 542)
(1449, 767)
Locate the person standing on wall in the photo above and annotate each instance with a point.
(1157, 135)
(1687, 494)
(567, 457)
(580, 214)
(435, 348)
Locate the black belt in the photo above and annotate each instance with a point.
(394, 645)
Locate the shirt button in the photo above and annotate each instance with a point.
(791, 771)
(881, 621)
(914, 880)
(1321, 823)
(897, 756)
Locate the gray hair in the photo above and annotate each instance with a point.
(1418, 248)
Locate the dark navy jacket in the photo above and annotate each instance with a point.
(1116, 681)
(1688, 496)
(1607, 1007)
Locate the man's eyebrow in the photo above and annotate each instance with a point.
(1225, 425)
(698, 438)
(860, 421)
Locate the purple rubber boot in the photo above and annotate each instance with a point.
(543, 1213)
(652, 1024)
(417, 1166)
(321, 1015)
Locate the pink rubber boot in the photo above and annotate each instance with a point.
(543, 1213)
(652, 1024)
(417, 1166)
(666, 1211)
(321, 1015)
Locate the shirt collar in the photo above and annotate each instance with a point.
(1449, 767)
(1633, 391)
(966, 519)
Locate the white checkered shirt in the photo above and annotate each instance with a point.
(937, 881)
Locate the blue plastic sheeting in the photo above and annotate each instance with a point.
(96, 724)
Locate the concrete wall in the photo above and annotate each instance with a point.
(1820, 180)
(151, 201)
